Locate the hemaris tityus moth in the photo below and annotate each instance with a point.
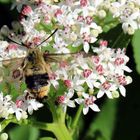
(35, 68)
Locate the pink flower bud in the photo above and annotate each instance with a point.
(83, 3)
(67, 83)
(19, 103)
(96, 59)
(118, 61)
(36, 40)
(87, 72)
(26, 10)
(80, 18)
(103, 43)
(100, 69)
(11, 47)
(90, 100)
(58, 12)
(88, 20)
(60, 99)
(106, 85)
(122, 80)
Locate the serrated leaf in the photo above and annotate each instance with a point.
(102, 127)
(24, 133)
(136, 49)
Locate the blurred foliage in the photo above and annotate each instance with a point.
(5, 1)
(102, 126)
(24, 133)
(116, 37)
(136, 49)
(47, 138)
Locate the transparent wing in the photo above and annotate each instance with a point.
(11, 76)
(11, 36)
(62, 57)
(11, 69)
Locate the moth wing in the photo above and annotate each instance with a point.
(10, 36)
(11, 69)
(63, 57)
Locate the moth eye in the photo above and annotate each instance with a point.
(30, 57)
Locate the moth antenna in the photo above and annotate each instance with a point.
(21, 44)
(48, 37)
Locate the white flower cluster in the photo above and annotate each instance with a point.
(11, 50)
(75, 23)
(86, 77)
(102, 73)
(128, 12)
(23, 104)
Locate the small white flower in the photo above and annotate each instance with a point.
(19, 113)
(5, 105)
(27, 102)
(65, 101)
(33, 105)
(105, 87)
(88, 102)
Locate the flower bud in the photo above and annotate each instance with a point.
(115, 94)
(101, 14)
(4, 136)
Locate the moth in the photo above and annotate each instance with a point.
(35, 68)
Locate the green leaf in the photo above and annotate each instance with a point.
(102, 127)
(136, 49)
(24, 133)
(116, 37)
(75, 49)
(5, 1)
(45, 27)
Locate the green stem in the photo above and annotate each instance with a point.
(4, 123)
(61, 132)
(76, 119)
(53, 110)
(57, 113)
(58, 129)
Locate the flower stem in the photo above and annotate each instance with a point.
(61, 132)
(59, 129)
(76, 119)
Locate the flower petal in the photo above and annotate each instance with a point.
(86, 47)
(79, 100)
(100, 94)
(85, 110)
(71, 104)
(109, 94)
(127, 69)
(70, 93)
(94, 107)
(122, 90)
